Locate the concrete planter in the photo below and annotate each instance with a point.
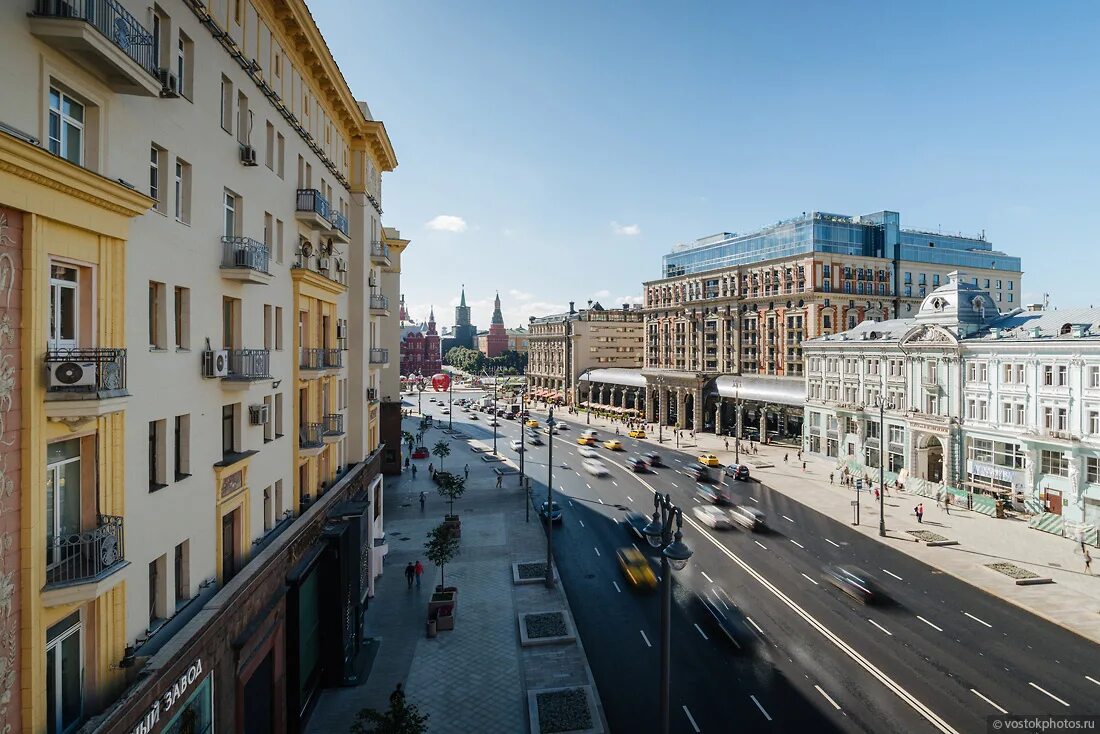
(545, 628)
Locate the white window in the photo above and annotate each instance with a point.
(1006, 413)
(1063, 419)
(183, 191)
(231, 225)
(1019, 414)
(1063, 375)
(1006, 375)
(1048, 375)
(227, 105)
(1048, 417)
(1020, 373)
(1055, 462)
(1092, 470)
(155, 155)
(66, 127)
(1094, 422)
(65, 674)
(1094, 376)
(64, 307)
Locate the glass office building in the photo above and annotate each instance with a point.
(869, 235)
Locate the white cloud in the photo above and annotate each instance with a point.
(447, 223)
(620, 300)
(626, 230)
(600, 294)
(520, 295)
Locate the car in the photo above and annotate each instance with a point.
(473, 416)
(595, 467)
(586, 441)
(637, 464)
(712, 517)
(728, 617)
(738, 471)
(534, 439)
(637, 433)
(653, 459)
(559, 425)
(709, 460)
(749, 518)
(493, 422)
(554, 512)
(698, 472)
(856, 583)
(613, 444)
(445, 411)
(714, 494)
(636, 568)
(588, 452)
(516, 445)
(637, 523)
(420, 452)
(531, 423)
(590, 432)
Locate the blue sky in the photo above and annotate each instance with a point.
(554, 151)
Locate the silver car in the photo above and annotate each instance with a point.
(749, 518)
(711, 516)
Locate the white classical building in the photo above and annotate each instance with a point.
(982, 404)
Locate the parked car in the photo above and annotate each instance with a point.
(595, 467)
(856, 583)
(636, 568)
(637, 464)
(588, 452)
(637, 433)
(553, 512)
(637, 523)
(738, 471)
(709, 460)
(420, 452)
(711, 516)
(613, 444)
(749, 518)
(516, 445)
(653, 459)
(698, 472)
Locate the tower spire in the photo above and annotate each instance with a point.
(463, 302)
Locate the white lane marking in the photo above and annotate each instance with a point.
(695, 498)
(629, 498)
(700, 631)
(1097, 682)
(786, 518)
(636, 547)
(597, 551)
(1003, 711)
(1048, 693)
(797, 543)
(829, 541)
(645, 638)
(760, 707)
(893, 686)
(588, 485)
(760, 544)
(708, 578)
(827, 697)
(892, 574)
(570, 503)
(938, 629)
(754, 624)
(600, 499)
(581, 522)
(880, 627)
(691, 719)
(987, 624)
(616, 585)
(809, 579)
(614, 482)
(754, 499)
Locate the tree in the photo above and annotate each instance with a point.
(451, 487)
(400, 718)
(408, 438)
(441, 548)
(442, 450)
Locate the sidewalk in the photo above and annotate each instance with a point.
(1072, 601)
(476, 677)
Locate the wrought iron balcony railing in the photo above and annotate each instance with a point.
(74, 558)
(379, 356)
(113, 21)
(312, 358)
(379, 250)
(380, 302)
(86, 371)
(310, 200)
(249, 364)
(333, 358)
(340, 222)
(334, 424)
(310, 435)
(245, 252)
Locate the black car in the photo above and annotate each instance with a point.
(653, 459)
(637, 522)
(553, 512)
(728, 618)
(738, 471)
(698, 472)
(637, 464)
(856, 583)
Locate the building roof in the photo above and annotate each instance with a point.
(776, 390)
(616, 376)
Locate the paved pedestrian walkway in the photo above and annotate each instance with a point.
(1072, 601)
(474, 678)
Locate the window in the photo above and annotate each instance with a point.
(278, 241)
(182, 447)
(998, 284)
(231, 315)
(158, 316)
(183, 191)
(269, 424)
(268, 513)
(185, 64)
(1048, 375)
(936, 280)
(897, 434)
(908, 291)
(1094, 376)
(64, 306)
(278, 415)
(66, 127)
(269, 148)
(158, 592)
(64, 675)
(238, 11)
(278, 328)
(1055, 463)
(182, 568)
(1092, 470)
(182, 312)
(1062, 415)
(1006, 413)
(1048, 417)
(229, 429)
(1063, 375)
(244, 121)
(157, 173)
(227, 105)
(231, 227)
(280, 155)
(279, 498)
(156, 455)
(986, 283)
(1010, 296)
(63, 502)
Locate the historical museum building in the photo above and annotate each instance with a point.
(420, 346)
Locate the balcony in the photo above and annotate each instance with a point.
(380, 356)
(334, 428)
(379, 305)
(247, 366)
(246, 260)
(339, 230)
(313, 209)
(83, 566)
(380, 253)
(333, 359)
(311, 439)
(101, 36)
(85, 382)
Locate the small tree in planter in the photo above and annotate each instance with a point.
(401, 718)
(451, 487)
(442, 449)
(441, 548)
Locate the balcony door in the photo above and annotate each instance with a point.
(64, 676)
(62, 496)
(64, 307)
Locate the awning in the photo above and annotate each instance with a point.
(615, 376)
(777, 390)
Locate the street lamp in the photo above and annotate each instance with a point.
(674, 556)
(737, 428)
(450, 404)
(550, 422)
(419, 392)
(882, 403)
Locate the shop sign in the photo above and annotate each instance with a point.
(168, 699)
(992, 471)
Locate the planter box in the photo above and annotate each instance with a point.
(442, 599)
(445, 619)
(453, 524)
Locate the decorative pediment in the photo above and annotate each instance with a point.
(928, 334)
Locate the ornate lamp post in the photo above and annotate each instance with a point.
(674, 556)
(550, 422)
(882, 403)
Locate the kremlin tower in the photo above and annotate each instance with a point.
(497, 339)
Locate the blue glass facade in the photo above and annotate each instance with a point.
(871, 235)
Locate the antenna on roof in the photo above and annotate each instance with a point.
(1046, 301)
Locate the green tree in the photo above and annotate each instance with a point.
(451, 487)
(408, 438)
(441, 548)
(442, 450)
(400, 718)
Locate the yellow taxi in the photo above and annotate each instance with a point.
(532, 423)
(613, 444)
(637, 433)
(708, 460)
(587, 440)
(636, 568)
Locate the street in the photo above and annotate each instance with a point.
(942, 656)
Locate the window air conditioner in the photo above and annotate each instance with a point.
(73, 374)
(215, 363)
(341, 265)
(372, 281)
(322, 263)
(258, 415)
(169, 83)
(248, 155)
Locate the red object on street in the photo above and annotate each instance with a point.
(441, 382)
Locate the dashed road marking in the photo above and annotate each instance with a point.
(987, 624)
(809, 579)
(601, 500)
(754, 624)
(881, 627)
(701, 632)
(786, 518)
(1003, 711)
(708, 578)
(797, 543)
(769, 718)
(892, 574)
(597, 551)
(831, 542)
(570, 503)
(827, 697)
(616, 585)
(647, 643)
(629, 498)
(1097, 682)
(614, 482)
(588, 485)
(1048, 693)
(938, 629)
(581, 522)
(760, 544)
(691, 719)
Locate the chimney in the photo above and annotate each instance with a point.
(1034, 307)
(626, 306)
(571, 309)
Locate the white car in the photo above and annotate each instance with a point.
(561, 426)
(516, 445)
(494, 422)
(590, 433)
(588, 452)
(711, 516)
(595, 467)
(446, 411)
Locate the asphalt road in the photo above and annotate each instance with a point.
(942, 656)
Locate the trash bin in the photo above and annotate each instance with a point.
(431, 628)
(1001, 509)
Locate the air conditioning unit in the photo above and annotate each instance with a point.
(215, 363)
(372, 281)
(72, 374)
(169, 83)
(341, 331)
(258, 415)
(322, 263)
(341, 265)
(248, 155)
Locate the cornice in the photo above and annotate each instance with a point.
(309, 277)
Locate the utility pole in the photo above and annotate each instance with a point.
(550, 501)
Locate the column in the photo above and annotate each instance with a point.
(603, 395)
(680, 407)
(718, 418)
(697, 408)
(763, 423)
(662, 406)
(650, 414)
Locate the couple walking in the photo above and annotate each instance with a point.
(414, 572)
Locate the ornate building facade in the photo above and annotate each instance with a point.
(420, 353)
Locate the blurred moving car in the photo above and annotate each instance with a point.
(712, 517)
(698, 472)
(595, 467)
(493, 422)
(636, 568)
(590, 432)
(637, 523)
(588, 452)
(652, 458)
(446, 411)
(613, 444)
(473, 416)
(531, 423)
(553, 512)
(709, 460)
(856, 583)
(728, 617)
(637, 433)
(560, 426)
(637, 464)
(738, 471)
(749, 518)
(534, 439)
(587, 441)
(516, 445)
(714, 494)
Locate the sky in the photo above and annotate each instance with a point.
(554, 151)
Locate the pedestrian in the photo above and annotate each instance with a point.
(920, 513)
(727, 444)
(397, 698)
(785, 458)
(830, 477)
(876, 494)
(1088, 561)
(410, 572)
(406, 462)
(947, 504)
(500, 480)
(466, 471)
(803, 466)
(430, 471)
(418, 569)
(422, 498)
(414, 471)
(800, 454)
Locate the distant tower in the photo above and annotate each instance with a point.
(433, 359)
(464, 334)
(462, 311)
(403, 316)
(497, 339)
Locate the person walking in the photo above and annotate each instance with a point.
(830, 477)
(727, 444)
(410, 572)
(397, 698)
(406, 462)
(500, 480)
(920, 513)
(947, 503)
(422, 501)
(1088, 560)
(430, 468)
(418, 569)
(414, 471)
(785, 458)
(466, 471)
